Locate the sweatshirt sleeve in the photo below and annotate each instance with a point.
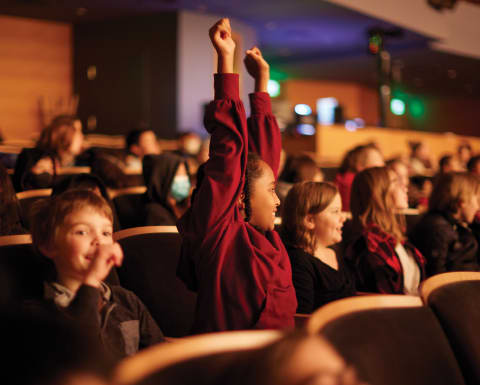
(84, 308)
(264, 136)
(224, 172)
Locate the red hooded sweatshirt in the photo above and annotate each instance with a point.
(243, 276)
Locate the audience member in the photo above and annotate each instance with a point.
(420, 159)
(111, 171)
(298, 168)
(448, 163)
(312, 223)
(400, 168)
(382, 258)
(356, 160)
(139, 143)
(473, 165)
(168, 188)
(86, 182)
(443, 234)
(10, 222)
(464, 153)
(74, 231)
(35, 169)
(63, 138)
(188, 144)
(419, 192)
(230, 253)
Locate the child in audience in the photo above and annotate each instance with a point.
(473, 165)
(312, 223)
(74, 230)
(399, 166)
(382, 257)
(419, 192)
(420, 159)
(298, 168)
(443, 235)
(139, 143)
(464, 153)
(168, 188)
(86, 182)
(448, 163)
(10, 222)
(64, 138)
(355, 160)
(230, 253)
(35, 169)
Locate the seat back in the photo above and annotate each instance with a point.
(389, 340)
(130, 209)
(26, 199)
(454, 298)
(190, 360)
(149, 270)
(21, 270)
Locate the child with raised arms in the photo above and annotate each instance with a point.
(231, 254)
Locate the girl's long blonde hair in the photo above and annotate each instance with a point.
(371, 201)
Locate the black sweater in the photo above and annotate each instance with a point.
(316, 283)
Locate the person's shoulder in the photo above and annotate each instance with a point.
(298, 255)
(434, 221)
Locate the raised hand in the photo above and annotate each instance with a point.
(258, 68)
(221, 37)
(105, 257)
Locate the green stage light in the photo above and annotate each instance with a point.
(397, 106)
(417, 109)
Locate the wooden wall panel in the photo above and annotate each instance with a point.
(357, 101)
(35, 62)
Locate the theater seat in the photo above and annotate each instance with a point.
(26, 199)
(149, 270)
(20, 270)
(389, 339)
(192, 360)
(454, 298)
(129, 206)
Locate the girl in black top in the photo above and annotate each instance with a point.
(312, 223)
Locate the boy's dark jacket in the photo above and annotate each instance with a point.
(114, 315)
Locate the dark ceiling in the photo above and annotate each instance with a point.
(304, 38)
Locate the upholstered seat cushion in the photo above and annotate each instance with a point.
(457, 306)
(395, 346)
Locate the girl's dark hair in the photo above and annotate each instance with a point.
(253, 172)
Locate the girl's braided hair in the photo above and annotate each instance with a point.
(253, 172)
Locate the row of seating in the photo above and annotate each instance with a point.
(128, 203)
(389, 339)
